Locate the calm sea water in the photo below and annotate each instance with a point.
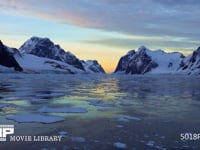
(164, 106)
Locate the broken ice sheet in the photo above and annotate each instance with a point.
(128, 118)
(120, 145)
(3, 105)
(100, 103)
(78, 139)
(46, 109)
(29, 118)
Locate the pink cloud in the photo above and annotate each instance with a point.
(122, 16)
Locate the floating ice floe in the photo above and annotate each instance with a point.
(122, 119)
(100, 103)
(37, 101)
(128, 118)
(103, 109)
(3, 105)
(160, 148)
(78, 139)
(150, 143)
(119, 126)
(120, 145)
(50, 95)
(46, 109)
(29, 118)
(146, 136)
(63, 133)
(125, 104)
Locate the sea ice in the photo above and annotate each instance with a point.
(119, 126)
(150, 143)
(45, 109)
(63, 133)
(3, 105)
(122, 119)
(120, 145)
(28, 118)
(99, 103)
(125, 104)
(128, 118)
(132, 118)
(78, 139)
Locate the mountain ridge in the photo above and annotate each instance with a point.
(148, 61)
(41, 54)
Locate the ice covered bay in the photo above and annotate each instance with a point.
(140, 112)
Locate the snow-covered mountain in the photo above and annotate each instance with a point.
(41, 55)
(43, 47)
(148, 61)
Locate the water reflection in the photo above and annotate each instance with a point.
(160, 95)
(163, 103)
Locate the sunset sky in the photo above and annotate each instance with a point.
(103, 29)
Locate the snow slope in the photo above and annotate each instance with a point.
(167, 62)
(32, 63)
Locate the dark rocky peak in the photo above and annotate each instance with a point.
(1, 44)
(136, 62)
(44, 47)
(131, 52)
(39, 46)
(195, 55)
(142, 50)
(7, 59)
(123, 62)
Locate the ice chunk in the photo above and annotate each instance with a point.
(150, 143)
(120, 145)
(45, 109)
(128, 118)
(78, 139)
(160, 148)
(122, 119)
(63, 133)
(27, 118)
(3, 105)
(119, 126)
(132, 118)
(99, 103)
(125, 104)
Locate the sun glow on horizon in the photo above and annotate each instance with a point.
(103, 38)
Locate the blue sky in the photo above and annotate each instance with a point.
(103, 29)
